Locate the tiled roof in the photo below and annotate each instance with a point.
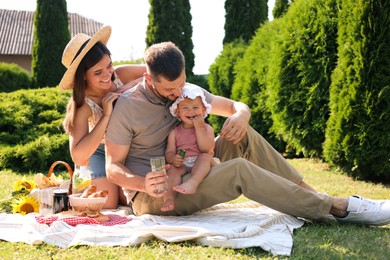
(16, 30)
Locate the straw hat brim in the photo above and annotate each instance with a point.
(103, 35)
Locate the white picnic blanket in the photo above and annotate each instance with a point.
(226, 225)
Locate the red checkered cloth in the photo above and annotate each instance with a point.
(75, 220)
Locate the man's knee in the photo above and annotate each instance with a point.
(237, 165)
(227, 150)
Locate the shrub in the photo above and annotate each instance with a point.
(357, 134)
(31, 134)
(13, 77)
(36, 156)
(200, 80)
(300, 74)
(222, 73)
(251, 81)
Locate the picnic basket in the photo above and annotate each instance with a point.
(45, 195)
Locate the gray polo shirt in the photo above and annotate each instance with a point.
(140, 119)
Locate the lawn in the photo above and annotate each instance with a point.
(312, 241)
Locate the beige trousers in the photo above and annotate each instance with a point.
(252, 168)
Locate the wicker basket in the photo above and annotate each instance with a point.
(45, 195)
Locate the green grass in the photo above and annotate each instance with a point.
(312, 241)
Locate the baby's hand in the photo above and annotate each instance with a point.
(178, 161)
(199, 122)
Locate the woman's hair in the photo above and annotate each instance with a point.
(93, 56)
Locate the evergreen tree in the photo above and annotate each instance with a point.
(358, 130)
(251, 80)
(222, 74)
(170, 20)
(280, 8)
(51, 34)
(300, 74)
(243, 18)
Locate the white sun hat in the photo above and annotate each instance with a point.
(190, 91)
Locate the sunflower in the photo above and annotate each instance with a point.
(25, 205)
(23, 185)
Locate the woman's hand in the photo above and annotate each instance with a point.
(107, 103)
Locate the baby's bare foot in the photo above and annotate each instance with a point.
(168, 205)
(186, 188)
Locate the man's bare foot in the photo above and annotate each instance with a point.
(168, 205)
(186, 188)
(339, 207)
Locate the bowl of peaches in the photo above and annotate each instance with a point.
(90, 202)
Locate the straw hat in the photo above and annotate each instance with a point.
(75, 48)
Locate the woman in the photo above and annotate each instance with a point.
(96, 85)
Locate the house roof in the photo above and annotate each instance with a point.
(16, 30)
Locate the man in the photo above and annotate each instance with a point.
(138, 131)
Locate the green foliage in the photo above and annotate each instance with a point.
(122, 62)
(243, 18)
(222, 73)
(31, 134)
(285, 76)
(13, 77)
(171, 21)
(51, 34)
(38, 155)
(251, 81)
(200, 80)
(357, 134)
(300, 74)
(280, 8)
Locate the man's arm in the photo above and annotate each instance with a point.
(119, 174)
(238, 115)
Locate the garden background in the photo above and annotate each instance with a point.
(316, 79)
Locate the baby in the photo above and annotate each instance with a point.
(193, 136)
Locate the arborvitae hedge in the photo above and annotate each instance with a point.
(171, 21)
(280, 8)
(51, 34)
(251, 80)
(290, 65)
(300, 69)
(243, 18)
(358, 130)
(31, 133)
(222, 73)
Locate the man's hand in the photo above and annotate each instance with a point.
(234, 128)
(156, 183)
(238, 115)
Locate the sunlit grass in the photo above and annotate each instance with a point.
(315, 240)
(325, 179)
